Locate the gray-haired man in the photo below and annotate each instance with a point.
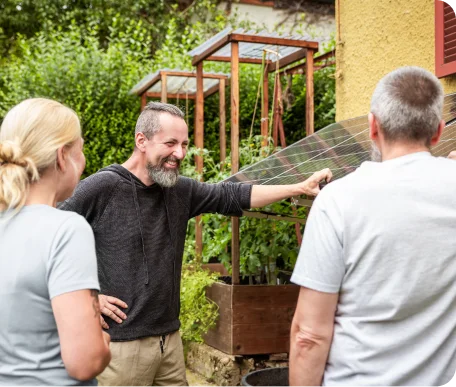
(377, 265)
(139, 213)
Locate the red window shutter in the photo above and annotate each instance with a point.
(445, 39)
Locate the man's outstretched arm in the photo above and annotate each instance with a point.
(262, 195)
(311, 336)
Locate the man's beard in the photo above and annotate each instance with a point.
(376, 155)
(165, 177)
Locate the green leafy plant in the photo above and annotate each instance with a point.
(198, 313)
(263, 242)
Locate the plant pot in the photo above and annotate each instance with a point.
(267, 377)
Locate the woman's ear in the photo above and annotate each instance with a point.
(62, 158)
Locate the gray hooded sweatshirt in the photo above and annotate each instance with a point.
(140, 234)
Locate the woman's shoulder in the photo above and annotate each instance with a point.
(49, 218)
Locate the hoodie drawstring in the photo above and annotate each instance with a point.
(135, 197)
(174, 250)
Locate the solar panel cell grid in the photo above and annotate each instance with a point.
(341, 146)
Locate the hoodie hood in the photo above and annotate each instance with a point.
(125, 174)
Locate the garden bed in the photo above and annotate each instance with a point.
(253, 319)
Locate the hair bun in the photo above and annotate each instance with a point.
(11, 153)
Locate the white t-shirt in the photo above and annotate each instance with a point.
(44, 252)
(384, 238)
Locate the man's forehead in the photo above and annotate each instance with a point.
(173, 127)
(168, 117)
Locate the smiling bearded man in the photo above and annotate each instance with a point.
(139, 213)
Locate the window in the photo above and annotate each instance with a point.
(445, 39)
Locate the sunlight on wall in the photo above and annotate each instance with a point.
(376, 37)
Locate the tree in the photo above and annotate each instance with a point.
(29, 17)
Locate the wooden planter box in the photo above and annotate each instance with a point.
(253, 319)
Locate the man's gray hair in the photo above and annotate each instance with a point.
(408, 104)
(149, 122)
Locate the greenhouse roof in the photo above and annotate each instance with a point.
(178, 82)
(288, 48)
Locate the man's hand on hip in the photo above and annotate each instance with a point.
(108, 308)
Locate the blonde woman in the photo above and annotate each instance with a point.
(50, 330)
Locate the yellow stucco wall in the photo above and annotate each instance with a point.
(375, 37)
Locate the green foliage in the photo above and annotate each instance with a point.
(73, 69)
(198, 313)
(29, 17)
(262, 242)
(74, 65)
(294, 118)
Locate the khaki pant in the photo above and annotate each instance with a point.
(150, 361)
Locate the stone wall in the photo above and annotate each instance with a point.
(227, 370)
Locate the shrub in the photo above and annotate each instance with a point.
(198, 313)
(73, 69)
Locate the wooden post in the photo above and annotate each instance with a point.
(143, 100)
(275, 111)
(235, 253)
(164, 89)
(280, 129)
(199, 143)
(222, 113)
(283, 142)
(309, 92)
(275, 129)
(265, 108)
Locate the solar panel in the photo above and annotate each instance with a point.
(341, 146)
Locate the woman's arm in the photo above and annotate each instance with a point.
(84, 346)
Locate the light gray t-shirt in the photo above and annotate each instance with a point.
(44, 252)
(384, 238)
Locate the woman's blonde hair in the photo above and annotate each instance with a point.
(30, 135)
